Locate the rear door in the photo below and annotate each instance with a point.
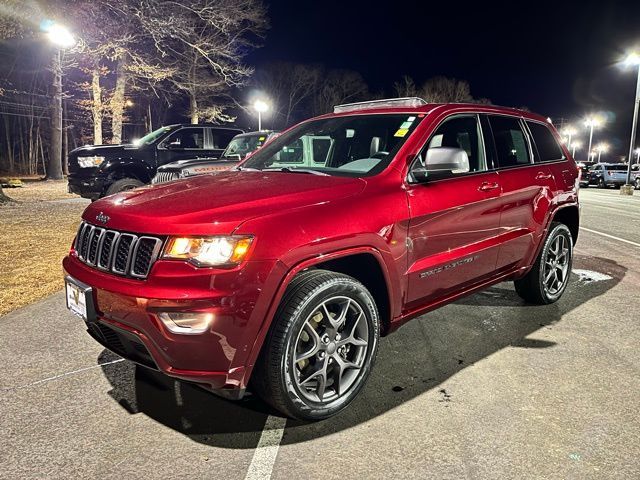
(219, 138)
(455, 217)
(527, 189)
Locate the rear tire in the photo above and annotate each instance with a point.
(548, 278)
(321, 346)
(123, 185)
(601, 183)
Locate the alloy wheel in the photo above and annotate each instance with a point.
(330, 350)
(556, 265)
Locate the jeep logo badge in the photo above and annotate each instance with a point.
(102, 218)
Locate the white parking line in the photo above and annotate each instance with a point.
(66, 374)
(635, 244)
(266, 452)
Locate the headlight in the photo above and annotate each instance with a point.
(225, 252)
(87, 162)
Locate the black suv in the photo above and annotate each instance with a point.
(97, 171)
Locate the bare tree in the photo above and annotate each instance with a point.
(337, 87)
(406, 87)
(203, 42)
(288, 86)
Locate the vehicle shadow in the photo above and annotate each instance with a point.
(417, 358)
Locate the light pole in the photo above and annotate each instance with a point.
(260, 106)
(601, 148)
(61, 38)
(569, 132)
(632, 60)
(590, 123)
(574, 146)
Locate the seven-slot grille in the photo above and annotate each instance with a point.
(163, 177)
(118, 252)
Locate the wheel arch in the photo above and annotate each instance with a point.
(570, 216)
(344, 261)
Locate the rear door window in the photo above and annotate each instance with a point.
(186, 139)
(511, 144)
(546, 145)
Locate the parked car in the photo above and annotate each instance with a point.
(240, 146)
(283, 273)
(605, 175)
(584, 168)
(635, 172)
(99, 170)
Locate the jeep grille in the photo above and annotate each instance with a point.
(117, 252)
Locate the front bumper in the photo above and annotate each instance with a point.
(87, 187)
(128, 324)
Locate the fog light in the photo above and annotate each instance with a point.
(186, 323)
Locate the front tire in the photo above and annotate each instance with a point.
(321, 347)
(601, 183)
(123, 185)
(548, 278)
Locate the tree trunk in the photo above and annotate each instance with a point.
(96, 106)
(3, 197)
(54, 167)
(193, 107)
(118, 100)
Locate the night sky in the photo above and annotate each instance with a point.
(556, 58)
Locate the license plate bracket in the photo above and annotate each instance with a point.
(79, 297)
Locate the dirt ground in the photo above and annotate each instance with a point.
(36, 231)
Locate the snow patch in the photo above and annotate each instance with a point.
(591, 276)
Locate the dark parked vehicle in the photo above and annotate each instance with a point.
(237, 150)
(605, 175)
(100, 170)
(584, 168)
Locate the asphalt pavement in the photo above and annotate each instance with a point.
(487, 387)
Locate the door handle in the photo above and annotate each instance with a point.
(488, 186)
(543, 176)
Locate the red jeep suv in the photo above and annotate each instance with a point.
(284, 272)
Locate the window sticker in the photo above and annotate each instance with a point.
(401, 132)
(406, 124)
(411, 119)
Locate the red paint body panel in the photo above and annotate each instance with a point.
(434, 242)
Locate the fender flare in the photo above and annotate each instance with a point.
(291, 272)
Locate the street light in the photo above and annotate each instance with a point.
(260, 106)
(591, 122)
(59, 35)
(574, 146)
(569, 132)
(632, 60)
(601, 148)
(62, 38)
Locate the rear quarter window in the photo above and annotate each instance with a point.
(546, 145)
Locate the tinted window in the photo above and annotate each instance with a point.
(464, 133)
(221, 138)
(546, 144)
(511, 143)
(190, 138)
(621, 167)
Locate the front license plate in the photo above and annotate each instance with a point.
(79, 299)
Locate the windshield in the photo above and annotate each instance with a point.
(358, 145)
(242, 145)
(149, 138)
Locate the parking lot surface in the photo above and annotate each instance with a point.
(487, 387)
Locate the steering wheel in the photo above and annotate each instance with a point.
(380, 155)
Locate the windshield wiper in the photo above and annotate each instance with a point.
(247, 169)
(295, 170)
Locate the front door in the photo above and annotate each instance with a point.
(183, 144)
(455, 218)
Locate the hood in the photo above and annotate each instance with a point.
(197, 166)
(216, 204)
(106, 150)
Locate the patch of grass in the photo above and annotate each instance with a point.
(35, 234)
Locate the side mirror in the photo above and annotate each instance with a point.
(441, 160)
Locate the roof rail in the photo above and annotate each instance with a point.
(382, 103)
